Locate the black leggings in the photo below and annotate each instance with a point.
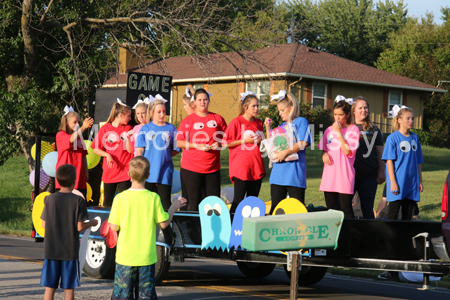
(407, 209)
(163, 190)
(195, 184)
(279, 192)
(242, 188)
(333, 200)
(109, 190)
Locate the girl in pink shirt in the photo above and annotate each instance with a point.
(339, 144)
(140, 116)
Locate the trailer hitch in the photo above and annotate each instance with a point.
(426, 254)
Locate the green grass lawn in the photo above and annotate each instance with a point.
(15, 189)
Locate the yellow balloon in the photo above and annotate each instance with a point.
(38, 207)
(92, 158)
(88, 192)
(45, 149)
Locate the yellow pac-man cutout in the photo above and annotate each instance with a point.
(38, 207)
(45, 149)
(88, 193)
(289, 206)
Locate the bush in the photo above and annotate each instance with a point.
(435, 139)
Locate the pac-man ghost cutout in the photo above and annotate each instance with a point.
(248, 208)
(215, 222)
(289, 206)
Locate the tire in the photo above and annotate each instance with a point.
(255, 270)
(162, 265)
(308, 275)
(100, 260)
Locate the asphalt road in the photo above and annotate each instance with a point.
(21, 263)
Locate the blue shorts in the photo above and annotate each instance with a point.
(134, 283)
(66, 270)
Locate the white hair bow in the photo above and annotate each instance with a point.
(243, 95)
(280, 96)
(120, 102)
(187, 93)
(67, 110)
(396, 109)
(340, 98)
(139, 102)
(159, 97)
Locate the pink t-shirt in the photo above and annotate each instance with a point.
(133, 138)
(340, 175)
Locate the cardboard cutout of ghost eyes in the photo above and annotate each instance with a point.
(248, 208)
(289, 206)
(215, 222)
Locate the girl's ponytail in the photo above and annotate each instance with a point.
(116, 110)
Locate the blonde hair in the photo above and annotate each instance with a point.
(139, 168)
(245, 103)
(191, 91)
(291, 101)
(144, 105)
(367, 123)
(151, 109)
(395, 123)
(65, 120)
(116, 110)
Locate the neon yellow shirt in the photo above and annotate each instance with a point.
(137, 212)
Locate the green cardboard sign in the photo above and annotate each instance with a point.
(292, 232)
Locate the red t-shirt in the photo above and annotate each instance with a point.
(201, 130)
(68, 155)
(246, 162)
(113, 141)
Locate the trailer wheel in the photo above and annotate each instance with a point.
(308, 275)
(255, 270)
(100, 260)
(162, 265)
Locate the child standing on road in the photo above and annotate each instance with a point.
(403, 157)
(113, 143)
(63, 217)
(71, 147)
(243, 136)
(156, 143)
(135, 212)
(289, 176)
(339, 143)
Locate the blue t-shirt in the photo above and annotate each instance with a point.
(158, 142)
(293, 173)
(406, 154)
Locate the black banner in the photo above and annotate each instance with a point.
(141, 85)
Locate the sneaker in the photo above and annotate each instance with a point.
(383, 276)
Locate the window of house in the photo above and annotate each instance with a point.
(199, 86)
(319, 95)
(261, 89)
(395, 98)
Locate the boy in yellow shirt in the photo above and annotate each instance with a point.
(135, 212)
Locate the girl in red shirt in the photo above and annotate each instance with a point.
(199, 136)
(113, 143)
(71, 148)
(243, 136)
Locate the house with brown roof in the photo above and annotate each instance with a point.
(313, 76)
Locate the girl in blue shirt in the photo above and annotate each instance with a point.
(403, 156)
(289, 177)
(155, 142)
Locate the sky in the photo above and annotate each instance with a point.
(418, 8)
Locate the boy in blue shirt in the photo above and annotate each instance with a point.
(63, 218)
(135, 212)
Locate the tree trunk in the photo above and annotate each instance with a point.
(26, 144)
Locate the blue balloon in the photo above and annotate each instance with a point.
(49, 163)
(176, 182)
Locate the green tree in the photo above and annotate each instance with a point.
(53, 53)
(354, 29)
(420, 51)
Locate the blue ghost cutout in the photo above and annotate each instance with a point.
(215, 222)
(248, 208)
